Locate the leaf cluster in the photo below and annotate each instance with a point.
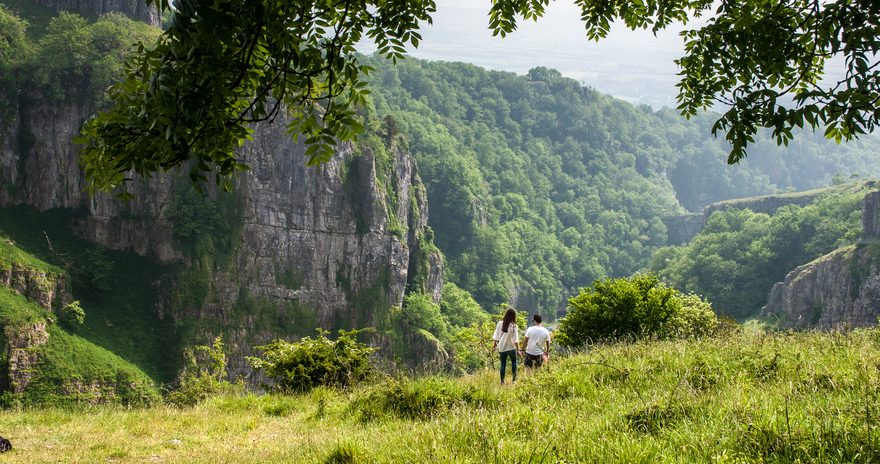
(314, 361)
(221, 66)
(640, 306)
(765, 61)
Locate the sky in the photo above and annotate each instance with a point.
(633, 65)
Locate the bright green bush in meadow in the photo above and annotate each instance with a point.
(204, 375)
(315, 361)
(640, 306)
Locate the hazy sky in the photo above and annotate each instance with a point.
(633, 65)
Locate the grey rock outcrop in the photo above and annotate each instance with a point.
(39, 168)
(45, 289)
(682, 228)
(871, 216)
(840, 289)
(324, 246)
(21, 356)
(134, 9)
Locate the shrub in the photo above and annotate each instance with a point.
(639, 306)
(460, 308)
(310, 362)
(202, 378)
(72, 314)
(693, 319)
(420, 312)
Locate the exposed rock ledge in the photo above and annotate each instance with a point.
(840, 289)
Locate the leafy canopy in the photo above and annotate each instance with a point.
(224, 64)
(764, 60)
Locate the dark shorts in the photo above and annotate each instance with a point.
(534, 360)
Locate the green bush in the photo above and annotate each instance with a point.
(310, 362)
(460, 308)
(420, 312)
(640, 306)
(72, 314)
(203, 376)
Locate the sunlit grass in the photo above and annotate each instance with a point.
(748, 397)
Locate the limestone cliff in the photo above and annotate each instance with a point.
(840, 289)
(330, 246)
(134, 9)
(682, 228)
(768, 204)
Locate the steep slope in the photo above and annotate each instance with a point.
(41, 360)
(293, 248)
(838, 290)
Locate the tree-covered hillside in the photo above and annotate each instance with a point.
(538, 185)
(735, 260)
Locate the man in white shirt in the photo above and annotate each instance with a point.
(537, 342)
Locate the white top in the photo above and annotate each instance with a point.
(537, 336)
(506, 340)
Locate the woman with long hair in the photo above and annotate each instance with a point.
(506, 339)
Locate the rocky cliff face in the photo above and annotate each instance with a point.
(683, 228)
(134, 9)
(45, 289)
(330, 246)
(21, 340)
(768, 204)
(21, 355)
(836, 290)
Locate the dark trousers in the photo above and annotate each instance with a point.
(534, 360)
(512, 355)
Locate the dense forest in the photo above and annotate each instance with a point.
(538, 185)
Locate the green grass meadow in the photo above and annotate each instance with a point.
(742, 397)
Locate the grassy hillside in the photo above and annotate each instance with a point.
(117, 290)
(746, 397)
(70, 369)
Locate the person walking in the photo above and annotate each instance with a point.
(506, 339)
(537, 342)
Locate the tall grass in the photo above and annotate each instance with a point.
(746, 397)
